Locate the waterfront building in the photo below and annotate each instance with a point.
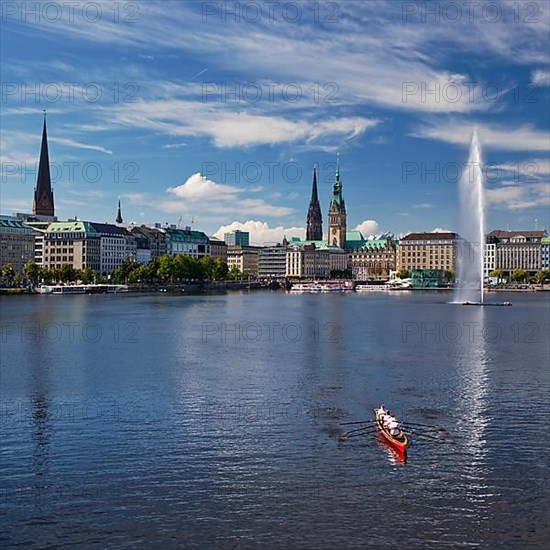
(337, 212)
(426, 278)
(82, 244)
(237, 238)
(518, 250)
(429, 251)
(150, 242)
(244, 258)
(490, 255)
(272, 262)
(17, 243)
(308, 261)
(371, 259)
(218, 249)
(545, 253)
(314, 224)
(75, 243)
(115, 245)
(187, 242)
(43, 204)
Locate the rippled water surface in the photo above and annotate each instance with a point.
(212, 421)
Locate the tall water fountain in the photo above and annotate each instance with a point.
(472, 229)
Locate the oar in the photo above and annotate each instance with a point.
(360, 429)
(438, 439)
(405, 423)
(344, 437)
(414, 430)
(356, 422)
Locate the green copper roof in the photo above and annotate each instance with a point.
(70, 227)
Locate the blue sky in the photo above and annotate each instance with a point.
(186, 110)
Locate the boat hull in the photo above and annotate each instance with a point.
(398, 444)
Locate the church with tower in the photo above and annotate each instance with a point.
(371, 258)
(337, 229)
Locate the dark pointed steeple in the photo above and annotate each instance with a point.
(118, 214)
(43, 195)
(314, 230)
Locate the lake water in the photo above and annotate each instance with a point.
(212, 421)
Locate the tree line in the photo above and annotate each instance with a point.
(166, 269)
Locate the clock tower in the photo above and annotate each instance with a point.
(337, 212)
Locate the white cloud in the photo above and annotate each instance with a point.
(423, 205)
(198, 187)
(511, 138)
(441, 230)
(261, 232)
(540, 78)
(519, 197)
(218, 200)
(174, 145)
(79, 145)
(367, 227)
(228, 128)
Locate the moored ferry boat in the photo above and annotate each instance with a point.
(82, 289)
(306, 287)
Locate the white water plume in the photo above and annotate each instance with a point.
(472, 228)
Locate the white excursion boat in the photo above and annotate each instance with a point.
(393, 284)
(306, 288)
(82, 289)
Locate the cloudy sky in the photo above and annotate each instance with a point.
(197, 111)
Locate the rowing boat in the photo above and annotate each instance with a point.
(398, 441)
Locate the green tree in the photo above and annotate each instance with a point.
(121, 273)
(67, 273)
(32, 272)
(403, 274)
(138, 275)
(208, 265)
(234, 273)
(498, 273)
(220, 270)
(449, 275)
(542, 276)
(87, 275)
(47, 275)
(8, 273)
(519, 275)
(165, 270)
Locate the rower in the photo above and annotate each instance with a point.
(394, 427)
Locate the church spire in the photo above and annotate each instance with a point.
(314, 230)
(118, 214)
(43, 195)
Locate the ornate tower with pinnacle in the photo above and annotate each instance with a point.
(118, 214)
(337, 212)
(314, 230)
(43, 194)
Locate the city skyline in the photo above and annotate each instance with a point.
(197, 144)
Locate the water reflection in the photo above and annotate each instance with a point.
(471, 367)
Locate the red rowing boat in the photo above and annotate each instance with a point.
(399, 441)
